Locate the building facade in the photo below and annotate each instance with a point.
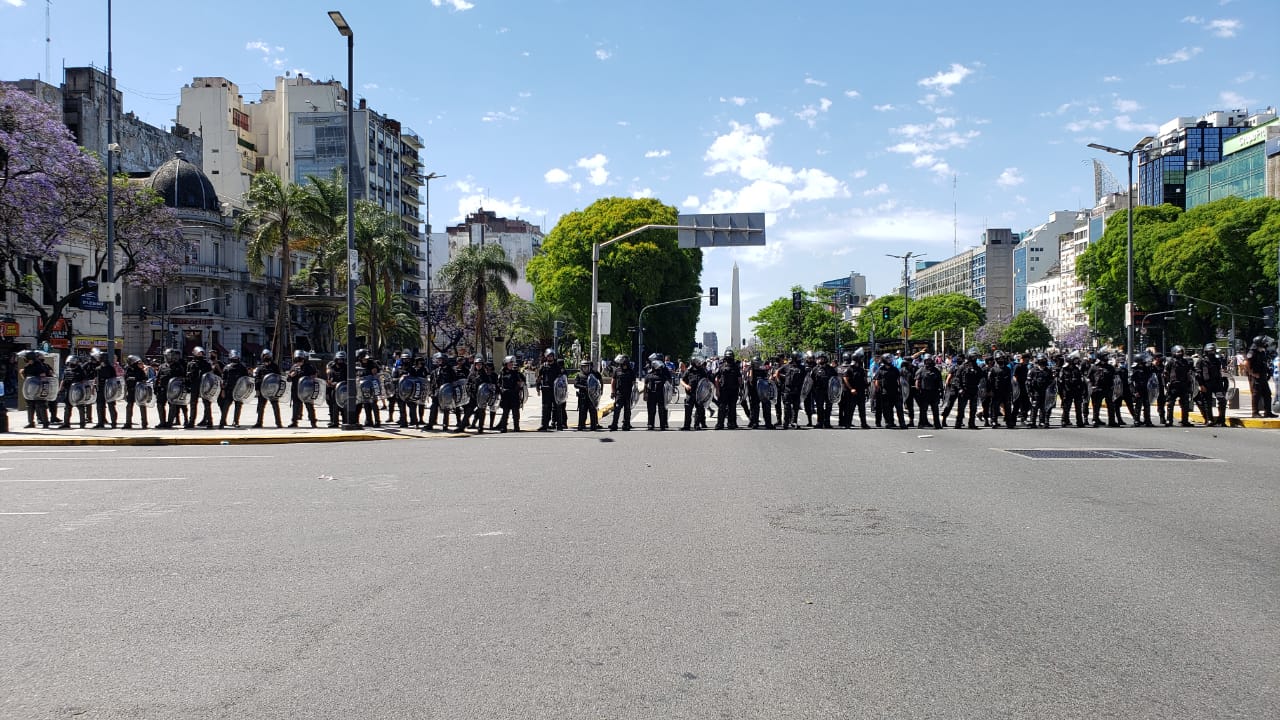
(1248, 169)
(1037, 251)
(520, 239)
(1184, 145)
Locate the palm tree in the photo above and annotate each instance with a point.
(273, 221)
(324, 222)
(384, 247)
(473, 275)
(396, 320)
(535, 323)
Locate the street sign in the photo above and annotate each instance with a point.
(604, 317)
(89, 298)
(721, 230)
(353, 260)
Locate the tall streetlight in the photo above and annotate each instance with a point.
(426, 182)
(906, 298)
(352, 263)
(1128, 306)
(112, 148)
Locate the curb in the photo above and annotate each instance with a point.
(157, 440)
(1251, 423)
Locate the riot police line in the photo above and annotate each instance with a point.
(462, 392)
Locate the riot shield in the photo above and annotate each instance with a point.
(243, 389)
(835, 388)
(210, 386)
(273, 386)
(904, 387)
(561, 389)
(487, 395)
(144, 394)
(461, 393)
(368, 389)
(1153, 387)
(1051, 396)
(447, 396)
(704, 393)
(83, 393)
(311, 388)
(806, 387)
(1117, 388)
(340, 394)
(767, 390)
(176, 392)
(113, 389)
(672, 392)
(594, 389)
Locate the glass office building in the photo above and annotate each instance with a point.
(1162, 177)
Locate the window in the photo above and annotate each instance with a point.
(192, 295)
(49, 281)
(160, 301)
(250, 305)
(73, 277)
(193, 252)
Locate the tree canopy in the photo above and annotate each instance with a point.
(642, 270)
(780, 328)
(1026, 331)
(949, 313)
(1222, 252)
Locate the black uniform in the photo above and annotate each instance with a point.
(71, 376)
(587, 407)
(1138, 384)
(695, 415)
(39, 409)
(1039, 379)
(755, 403)
(1102, 380)
(301, 369)
(1258, 367)
(231, 374)
(1000, 385)
(790, 379)
(855, 389)
(166, 415)
(655, 394)
(104, 370)
(547, 373)
(265, 368)
(968, 379)
(1212, 385)
(1178, 377)
(624, 384)
(888, 393)
(442, 374)
(728, 380)
(820, 377)
(196, 368)
(372, 417)
(928, 393)
(510, 383)
(1073, 387)
(906, 402)
(334, 372)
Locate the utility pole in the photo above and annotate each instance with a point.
(906, 299)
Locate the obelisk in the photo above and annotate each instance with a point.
(735, 309)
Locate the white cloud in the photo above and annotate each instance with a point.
(735, 100)
(16, 3)
(883, 108)
(1127, 106)
(944, 80)
(1112, 79)
(1011, 177)
(1245, 77)
(1083, 125)
(476, 197)
(859, 174)
(824, 104)
(497, 116)
(524, 94)
(624, 123)
(369, 86)
(555, 176)
(1124, 123)
(602, 54)
(457, 5)
(691, 202)
(594, 165)
(744, 153)
(657, 153)
(812, 81)
(258, 45)
(1179, 55)
(1234, 100)
(766, 121)
(1224, 27)
(1193, 19)
(642, 193)
(852, 93)
(881, 189)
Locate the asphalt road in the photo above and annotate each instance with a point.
(813, 574)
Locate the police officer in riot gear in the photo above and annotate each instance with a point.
(301, 368)
(103, 370)
(820, 378)
(624, 384)
(510, 383)
(656, 381)
(969, 377)
(887, 390)
(694, 414)
(1039, 379)
(1139, 379)
(134, 374)
(856, 382)
(756, 403)
(232, 371)
(266, 366)
(586, 406)
(1258, 368)
(928, 391)
(366, 366)
(74, 373)
(548, 371)
(1212, 384)
(1000, 385)
(728, 380)
(167, 415)
(442, 374)
(1179, 376)
(1073, 387)
(1102, 379)
(36, 367)
(334, 372)
(197, 366)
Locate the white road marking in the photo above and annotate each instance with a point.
(148, 457)
(489, 534)
(46, 451)
(56, 480)
(24, 513)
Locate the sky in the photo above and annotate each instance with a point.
(860, 129)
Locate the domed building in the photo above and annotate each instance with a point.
(214, 302)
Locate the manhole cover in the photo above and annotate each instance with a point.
(1104, 454)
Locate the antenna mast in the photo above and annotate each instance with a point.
(48, 38)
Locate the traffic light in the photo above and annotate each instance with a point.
(1172, 295)
(797, 298)
(1191, 308)
(884, 312)
(715, 296)
(142, 314)
(1269, 317)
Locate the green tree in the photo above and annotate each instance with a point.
(397, 322)
(384, 248)
(1223, 251)
(534, 323)
(1026, 332)
(780, 328)
(323, 214)
(477, 274)
(641, 270)
(273, 221)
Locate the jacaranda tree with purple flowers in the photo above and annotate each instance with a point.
(53, 192)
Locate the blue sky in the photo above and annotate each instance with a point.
(860, 128)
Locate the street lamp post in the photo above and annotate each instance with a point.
(426, 181)
(906, 298)
(1128, 306)
(112, 148)
(345, 30)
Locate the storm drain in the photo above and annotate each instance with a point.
(1107, 454)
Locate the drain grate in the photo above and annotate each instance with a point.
(1105, 454)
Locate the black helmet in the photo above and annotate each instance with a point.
(1178, 351)
(340, 355)
(172, 355)
(620, 359)
(797, 356)
(1210, 348)
(728, 355)
(846, 358)
(361, 354)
